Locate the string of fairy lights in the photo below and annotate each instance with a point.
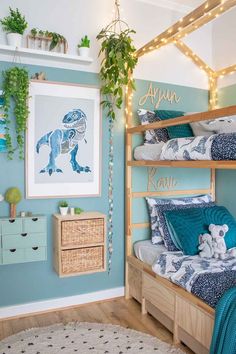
(191, 22)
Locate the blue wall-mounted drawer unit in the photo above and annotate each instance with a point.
(23, 239)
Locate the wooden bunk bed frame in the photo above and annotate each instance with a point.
(189, 318)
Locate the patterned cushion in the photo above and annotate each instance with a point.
(160, 232)
(153, 136)
(224, 147)
(189, 224)
(178, 131)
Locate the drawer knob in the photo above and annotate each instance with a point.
(11, 221)
(24, 234)
(34, 248)
(13, 250)
(35, 219)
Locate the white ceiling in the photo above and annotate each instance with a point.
(178, 5)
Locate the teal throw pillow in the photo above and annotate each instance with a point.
(187, 225)
(178, 131)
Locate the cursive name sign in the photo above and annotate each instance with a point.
(157, 95)
(160, 183)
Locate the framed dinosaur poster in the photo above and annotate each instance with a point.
(63, 141)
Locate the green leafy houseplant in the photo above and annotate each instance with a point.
(63, 207)
(63, 204)
(78, 211)
(14, 23)
(118, 63)
(85, 42)
(13, 197)
(16, 87)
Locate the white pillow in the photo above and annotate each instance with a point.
(148, 152)
(217, 126)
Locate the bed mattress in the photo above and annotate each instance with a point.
(146, 252)
(207, 278)
(216, 147)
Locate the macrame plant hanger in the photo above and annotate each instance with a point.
(114, 27)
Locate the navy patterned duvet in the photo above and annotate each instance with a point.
(216, 147)
(206, 278)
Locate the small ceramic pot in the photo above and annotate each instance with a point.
(14, 39)
(63, 210)
(84, 51)
(72, 211)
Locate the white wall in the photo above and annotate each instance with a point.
(224, 48)
(75, 18)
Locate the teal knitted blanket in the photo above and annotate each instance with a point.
(224, 334)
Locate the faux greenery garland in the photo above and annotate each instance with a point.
(16, 86)
(118, 63)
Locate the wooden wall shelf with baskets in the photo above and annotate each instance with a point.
(79, 243)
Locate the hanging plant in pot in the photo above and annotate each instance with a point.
(16, 87)
(14, 25)
(116, 71)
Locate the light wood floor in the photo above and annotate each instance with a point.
(122, 312)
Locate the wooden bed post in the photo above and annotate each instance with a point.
(213, 93)
(213, 184)
(128, 191)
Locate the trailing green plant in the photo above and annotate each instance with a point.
(117, 67)
(63, 204)
(16, 87)
(85, 42)
(34, 32)
(14, 23)
(56, 39)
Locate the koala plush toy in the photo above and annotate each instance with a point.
(205, 246)
(218, 233)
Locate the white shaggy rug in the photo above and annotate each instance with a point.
(84, 338)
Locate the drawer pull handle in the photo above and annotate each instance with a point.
(24, 234)
(13, 250)
(34, 248)
(12, 220)
(35, 219)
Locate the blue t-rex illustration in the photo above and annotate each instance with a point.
(64, 141)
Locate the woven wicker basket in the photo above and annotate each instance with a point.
(82, 232)
(82, 260)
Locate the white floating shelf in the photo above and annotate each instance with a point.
(29, 56)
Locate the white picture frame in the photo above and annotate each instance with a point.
(63, 141)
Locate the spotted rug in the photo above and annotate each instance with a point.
(84, 338)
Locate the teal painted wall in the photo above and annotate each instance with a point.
(227, 96)
(24, 283)
(225, 186)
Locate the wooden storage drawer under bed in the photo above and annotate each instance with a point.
(188, 317)
(159, 296)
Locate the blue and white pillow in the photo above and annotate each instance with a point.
(152, 136)
(159, 228)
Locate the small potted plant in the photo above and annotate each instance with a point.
(84, 46)
(63, 206)
(14, 25)
(78, 211)
(13, 197)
